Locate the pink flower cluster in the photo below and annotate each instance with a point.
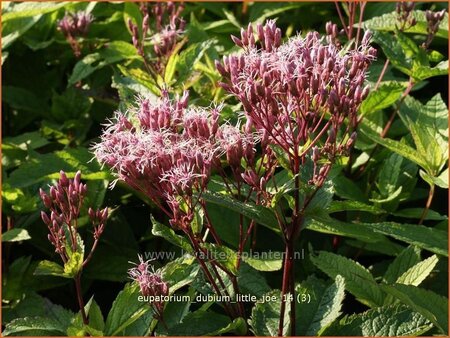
(65, 200)
(298, 93)
(75, 24)
(150, 284)
(164, 32)
(165, 150)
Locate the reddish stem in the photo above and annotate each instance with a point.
(427, 205)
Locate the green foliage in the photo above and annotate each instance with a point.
(377, 231)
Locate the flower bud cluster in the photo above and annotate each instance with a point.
(167, 152)
(150, 284)
(64, 201)
(98, 219)
(73, 26)
(298, 94)
(434, 19)
(405, 16)
(164, 32)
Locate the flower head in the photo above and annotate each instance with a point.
(298, 93)
(163, 149)
(150, 284)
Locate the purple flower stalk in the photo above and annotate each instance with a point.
(151, 285)
(300, 92)
(64, 201)
(73, 26)
(434, 20)
(164, 32)
(302, 97)
(405, 16)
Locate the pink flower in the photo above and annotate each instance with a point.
(298, 93)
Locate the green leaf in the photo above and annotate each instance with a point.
(251, 281)
(71, 104)
(260, 214)
(73, 266)
(51, 268)
(386, 95)
(45, 319)
(432, 119)
(223, 255)
(430, 305)
(180, 272)
(125, 310)
(272, 263)
(27, 9)
(260, 12)
(167, 233)
(33, 324)
(45, 167)
(138, 81)
(111, 53)
(205, 323)
(433, 240)
(23, 99)
(15, 28)
(171, 66)
(349, 205)
(417, 273)
(188, 58)
(332, 226)
(402, 263)
(15, 235)
(416, 213)
(387, 321)
(95, 316)
(395, 146)
(358, 280)
(266, 315)
(389, 22)
(322, 308)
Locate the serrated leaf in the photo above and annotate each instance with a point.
(47, 166)
(417, 273)
(34, 324)
(15, 235)
(429, 304)
(179, 272)
(25, 9)
(167, 233)
(125, 310)
(332, 226)
(405, 260)
(265, 264)
(358, 280)
(386, 95)
(389, 22)
(396, 146)
(386, 321)
(339, 206)
(50, 268)
(205, 323)
(110, 53)
(265, 315)
(251, 281)
(260, 214)
(225, 256)
(433, 240)
(323, 308)
(52, 319)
